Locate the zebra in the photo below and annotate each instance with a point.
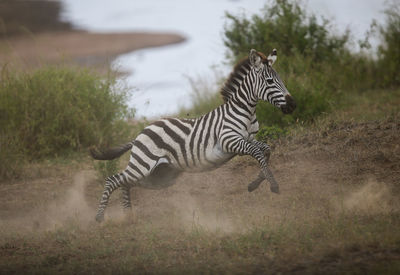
(167, 147)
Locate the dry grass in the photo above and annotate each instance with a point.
(338, 212)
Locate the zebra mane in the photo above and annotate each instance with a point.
(234, 80)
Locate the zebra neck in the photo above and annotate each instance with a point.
(235, 88)
(246, 106)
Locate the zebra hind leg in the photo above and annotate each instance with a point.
(126, 197)
(112, 183)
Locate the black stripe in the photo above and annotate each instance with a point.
(275, 97)
(124, 178)
(229, 141)
(130, 174)
(160, 143)
(232, 129)
(270, 94)
(238, 112)
(175, 137)
(178, 123)
(237, 99)
(217, 123)
(233, 123)
(141, 162)
(191, 146)
(145, 150)
(201, 135)
(190, 121)
(235, 82)
(208, 132)
(230, 115)
(131, 165)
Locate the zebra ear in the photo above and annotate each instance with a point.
(255, 58)
(272, 57)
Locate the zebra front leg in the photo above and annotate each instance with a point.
(256, 183)
(112, 183)
(264, 148)
(240, 146)
(260, 178)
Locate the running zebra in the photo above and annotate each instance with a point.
(170, 146)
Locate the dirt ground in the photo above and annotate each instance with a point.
(351, 168)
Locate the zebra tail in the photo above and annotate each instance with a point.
(111, 153)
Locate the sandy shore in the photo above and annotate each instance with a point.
(81, 48)
(32, 34)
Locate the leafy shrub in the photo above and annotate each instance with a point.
(286, 26)
(58, 109)
(270, 132)
(316, 66)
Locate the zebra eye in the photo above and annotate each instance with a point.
(270, 81)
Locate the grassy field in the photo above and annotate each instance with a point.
(338, 211)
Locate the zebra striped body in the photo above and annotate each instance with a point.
(170, 146)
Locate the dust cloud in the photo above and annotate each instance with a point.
(371, 198)
(69, 209)
(193, 213)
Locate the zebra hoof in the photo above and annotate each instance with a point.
(274, 189)
(253, 186)
(99, 218)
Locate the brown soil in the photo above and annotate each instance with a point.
(359, 162)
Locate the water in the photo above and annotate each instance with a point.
(159, 76)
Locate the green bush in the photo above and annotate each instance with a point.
(286, 26)
(316, 66)
(54, 110)
(270, 132)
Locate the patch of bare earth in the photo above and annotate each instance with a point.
(338, 212)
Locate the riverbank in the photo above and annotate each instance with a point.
(32, 34)
(81, 48)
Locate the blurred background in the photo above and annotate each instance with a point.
(161, 78)
(78, 74)
(160, 75)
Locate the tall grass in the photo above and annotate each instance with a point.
(55, 110)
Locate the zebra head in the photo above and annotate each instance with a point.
(270, 86)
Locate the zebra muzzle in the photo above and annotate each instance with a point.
(290, 105)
